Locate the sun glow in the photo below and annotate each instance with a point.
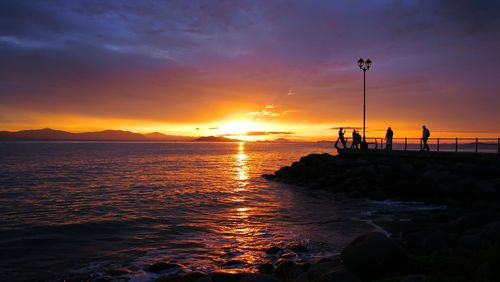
(237, 128)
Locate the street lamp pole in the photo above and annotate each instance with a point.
(364, 105)
(364, 66)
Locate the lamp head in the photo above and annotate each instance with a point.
(368, 64)
(361, 63)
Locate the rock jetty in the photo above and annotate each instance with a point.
(458, 243)
(452, 182)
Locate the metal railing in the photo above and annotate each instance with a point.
(462, 144)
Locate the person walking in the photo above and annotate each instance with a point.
(425, 137)
(388, 139)
(341, 139)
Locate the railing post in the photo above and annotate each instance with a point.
(498, 145)
(420, 144)
(476, 144)
(438, 145)
(456, 145)
(406, 143)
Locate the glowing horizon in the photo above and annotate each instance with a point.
(257, 70)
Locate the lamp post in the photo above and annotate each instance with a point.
(364, 66)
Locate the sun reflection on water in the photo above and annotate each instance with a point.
(241, 167)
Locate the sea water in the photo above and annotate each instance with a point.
(88, 207)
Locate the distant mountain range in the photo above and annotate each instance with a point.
(216, 139)
(48, 134)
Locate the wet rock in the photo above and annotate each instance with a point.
(335, 259)
(339, 276)
(435, 175)
(446, 188)
(283, 268)
(224, 276)
(266, 268)
(288, 256)
(205, 279)
(235, 263)
(385, 169)
(376, 195)
(473, 241)
(416, 278)
(475, 220)
(355, 194)
(298, 248)
(372, 255)
(302, 277)
(273, 250)
(163, 266)
(269, 176)
(406, 167)
(492, 231)
(316, 271)
(304, 266)
(119, 271)
(259, 278)
(427, 241)
(484, 270)
(194, 276)
(485, 188)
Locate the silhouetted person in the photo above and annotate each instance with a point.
(388, 139)
(341, 139)
(356, 139)
(425, 137)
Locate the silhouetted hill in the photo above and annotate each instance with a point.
(163, 137)
(281, 140)
(112, 135)
(216, 139)
(48, 134)
(37, 134)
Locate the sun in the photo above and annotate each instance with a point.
(237, 128)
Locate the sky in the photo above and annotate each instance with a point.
(265, 69)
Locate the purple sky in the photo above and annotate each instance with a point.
(189, 62)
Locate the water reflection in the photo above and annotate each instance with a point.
(241, 167)
(241, 226)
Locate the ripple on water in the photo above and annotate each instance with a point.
(93, 207)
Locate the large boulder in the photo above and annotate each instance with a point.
(374, 255)
(426, 241)
(163, 266)
(226, 276)
(476, 220)
(492, 231)
(435, 175)
(316, 271)
(195, 276)
(339, 276)
(259, 278)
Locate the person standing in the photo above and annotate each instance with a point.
(355, 139)
(425, 137)
(388, 139)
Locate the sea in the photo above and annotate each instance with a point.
(111, 209)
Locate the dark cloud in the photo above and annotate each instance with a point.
(262, 133)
